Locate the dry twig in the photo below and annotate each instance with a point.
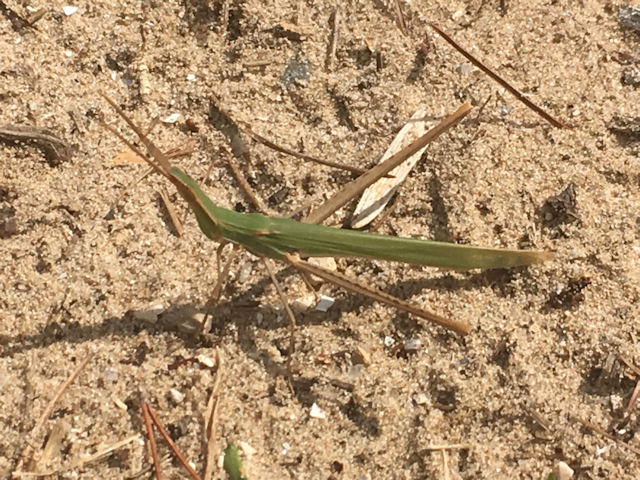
(171, 443)
(553, 121)
(333, 39)
(27, 451)
(211, 418)
(152, 439)
(54, 148)
(599, 431)
(175, 220)
(361, 183)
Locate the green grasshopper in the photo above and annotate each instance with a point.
(288, 240)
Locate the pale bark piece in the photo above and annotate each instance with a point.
(376, 197)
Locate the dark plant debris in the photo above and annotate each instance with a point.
(626, 129)
(629, 17)
(569, 295)
(54, 148)
(561, 208)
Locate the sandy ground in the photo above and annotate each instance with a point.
(82, 248)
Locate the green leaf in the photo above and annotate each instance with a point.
(232, 463)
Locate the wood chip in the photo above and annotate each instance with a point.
(376, 197)
(127, 157)
(54, 444)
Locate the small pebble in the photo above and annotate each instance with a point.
(328, 263)
(389, 341)
(631, 77)
(303, 304)
(69, 10)
(110, 375)
(120, 404)
(617, 402)
(412, 345)
(317, 412)
(274, 353)
(562, 471)
(324, 303)
(465, 68)
(206, 361)
(173, 118)
(247, 449)
(297, 72)
(286, 447)
(362, 356)
(355, 371)
(420, 398)
(245, 271)
(176, 396)
(504, 110)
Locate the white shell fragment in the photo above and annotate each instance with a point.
(317, 412)
(145, 80)
(206, 361)
(247, 449)
(324, 303)
(562, 471)
(304, 303)
(420, 398)
(69, 10)
(120, 404)
(176, 396)
(173, 118)
(376, 197)
(412, 345)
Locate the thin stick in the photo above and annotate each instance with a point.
(333, 40)
(285, 302)
(599, 431)
(361, 183)
(211, 418)
(449, 446)
(303, 156)
(224, 272)
(633, 399)
(627, 361)
(553, 121)
(37, 15)
(246, 128)
(28, 450)
(400, 17)
(152, 439)
(55, 149)
(172, 444)
(47, 411)
(244, 185)
(82, 461)
(175, 220)
(445, 464)
(105, 451)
